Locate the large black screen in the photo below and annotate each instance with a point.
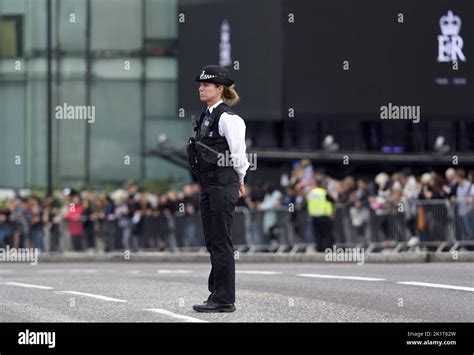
(389, 60)
(392, 49)
(255, 43)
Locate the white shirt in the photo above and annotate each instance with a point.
(232, 127)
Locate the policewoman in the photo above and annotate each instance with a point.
(220, 163)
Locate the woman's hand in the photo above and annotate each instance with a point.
(242, 189)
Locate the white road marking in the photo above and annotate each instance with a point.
(426, 284)
(174, 271)
(60, 271)
(175, 315)
(52, 271)
(28, 285)
(134, 272)
(82, 270)
(255, 272)
(342, 277)
(104, 298)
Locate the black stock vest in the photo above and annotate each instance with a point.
(209, 143)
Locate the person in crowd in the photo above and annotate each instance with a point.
(18, 222)
(252, 197)
(35, 219)
(321, 210)
(134, 190)
(149, 232)
(75, 222)
(344, 189)
(110, 224)
(191, 208)
(65, 242)
(89, 218)
(138, 221)
(450, 175)
(101, 242)
(393, 203)
(52, 217)
(359, 211)
(5, 228)
(271, 201)
(378, 204)
(462, 196)
(122, 210)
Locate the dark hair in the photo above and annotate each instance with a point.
(320, 182)
(461, 173)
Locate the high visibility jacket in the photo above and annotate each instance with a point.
(318, 205)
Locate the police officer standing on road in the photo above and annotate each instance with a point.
(217, 156)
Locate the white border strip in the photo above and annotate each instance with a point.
(104, 298)
(175, 271)
(175, 315)
(28, 285)
(426, 284)
(256, 272)
(358, 278)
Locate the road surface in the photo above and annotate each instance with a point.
(273, 292)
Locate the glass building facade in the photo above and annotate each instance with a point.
(118, 56)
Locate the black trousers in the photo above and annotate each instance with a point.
(89, 234)
(219, 193)
(77, 242)
(323, 229)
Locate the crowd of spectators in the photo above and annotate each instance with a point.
(134, 219)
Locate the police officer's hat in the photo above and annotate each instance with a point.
(215, 74)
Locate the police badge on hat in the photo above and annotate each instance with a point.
(215, 74)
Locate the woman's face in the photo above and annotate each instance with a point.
(209, 92)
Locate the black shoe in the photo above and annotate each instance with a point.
(208, 299)
(211, 306)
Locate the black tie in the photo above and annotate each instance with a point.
(208, 113)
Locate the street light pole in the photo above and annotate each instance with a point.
(49, 102)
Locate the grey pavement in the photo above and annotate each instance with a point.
(266, 292)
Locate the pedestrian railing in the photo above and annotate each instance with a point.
(433, 223)
(408, 225)
(463, 216)
(405, 225)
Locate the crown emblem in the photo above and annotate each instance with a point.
(450, 24)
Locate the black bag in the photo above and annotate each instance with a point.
(191, 152)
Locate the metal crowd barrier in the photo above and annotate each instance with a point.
(405, 225)
(433, 223)
(388, 228)
(436, 224)
(270, 230)
(343, 230)
(464, 223)
(188, 231)
(300, 233)
(189, 234)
